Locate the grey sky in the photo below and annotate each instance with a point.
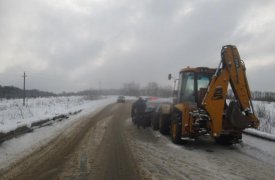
(73, 44)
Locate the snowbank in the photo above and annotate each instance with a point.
(260, 134)
(13, 114)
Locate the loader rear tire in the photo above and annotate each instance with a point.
(176, 128)
(164, 124)
(225, 140)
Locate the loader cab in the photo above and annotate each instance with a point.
(193, 84)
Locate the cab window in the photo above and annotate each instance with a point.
(187, 87)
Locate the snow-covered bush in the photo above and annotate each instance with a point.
(265, 116)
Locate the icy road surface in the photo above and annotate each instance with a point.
(106, 145)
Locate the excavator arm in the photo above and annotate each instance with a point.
(231, 70)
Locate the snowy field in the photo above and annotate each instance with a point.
(13, 114)
(265, 111)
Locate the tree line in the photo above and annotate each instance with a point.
(263, 96)
(257, 96)
(11, 92)
(127, 89)
(151, 89)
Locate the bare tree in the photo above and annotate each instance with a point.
(165, 91)
(152, 89)
(131, 89)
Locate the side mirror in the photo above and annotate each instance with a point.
(169, 76)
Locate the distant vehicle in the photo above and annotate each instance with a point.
(121, 99)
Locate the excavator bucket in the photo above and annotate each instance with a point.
(236, 117)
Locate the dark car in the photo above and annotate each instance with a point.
(121, 99)
(151, 114)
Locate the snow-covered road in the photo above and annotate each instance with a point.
(258, 148)
(159, 158)
(111, 146)
(94, 147)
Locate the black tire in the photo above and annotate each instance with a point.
(176, 128)
(164, 124)
(225, 140)
(155, 122)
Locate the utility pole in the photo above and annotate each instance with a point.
(24, 88)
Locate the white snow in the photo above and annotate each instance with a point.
(13, 114)
(258, 148)
(158, 158)
(260, 134)
(14, 149)
(265, 111)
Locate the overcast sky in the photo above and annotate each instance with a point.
(71, 45)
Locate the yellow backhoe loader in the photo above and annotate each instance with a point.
(201, 106)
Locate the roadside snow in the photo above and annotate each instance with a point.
(13, 114)
(16, 148)
(261, 134)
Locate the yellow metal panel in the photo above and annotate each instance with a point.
(185, 120)
(215, 99)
